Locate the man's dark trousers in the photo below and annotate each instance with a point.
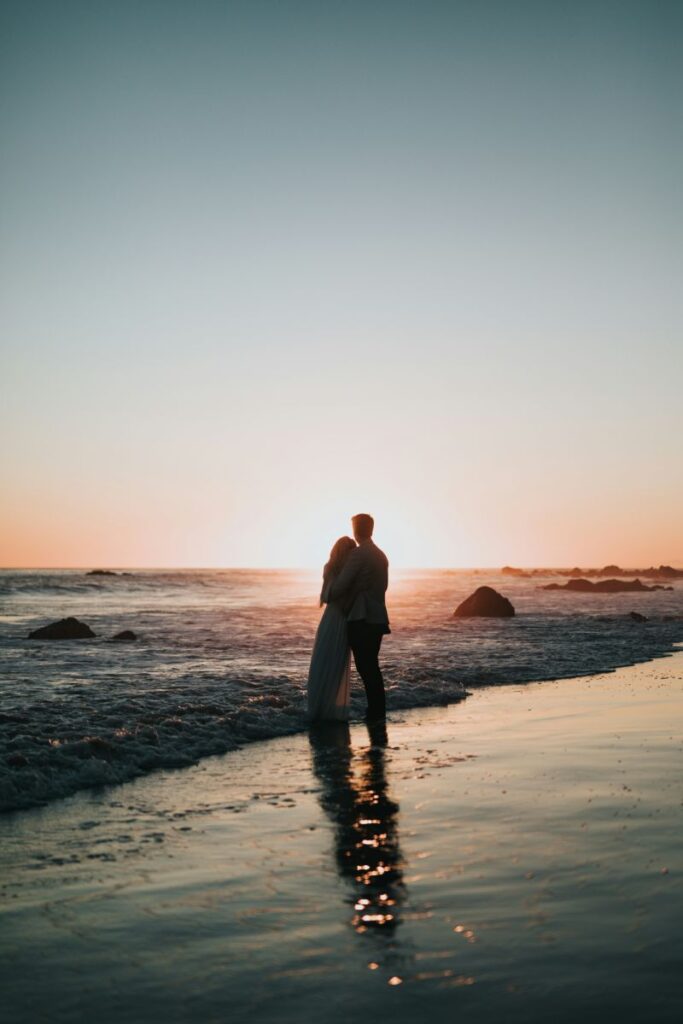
(365, 640)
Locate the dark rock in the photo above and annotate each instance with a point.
(484, 601)
(65, 629)
(637, 617)
(127, 636)
(664, 572)
(101, 572)
(603, 586)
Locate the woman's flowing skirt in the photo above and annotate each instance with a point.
(329, 677)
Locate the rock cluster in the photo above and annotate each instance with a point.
(603, 586)
(664, 572)
(74, 629)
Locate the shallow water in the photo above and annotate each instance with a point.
(223, 655)
(515, 857)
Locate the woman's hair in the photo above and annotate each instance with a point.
(338, 555)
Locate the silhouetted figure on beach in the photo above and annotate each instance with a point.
(355, 580)
(361, 586)
(329, 675)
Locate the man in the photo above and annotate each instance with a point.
(360, 587)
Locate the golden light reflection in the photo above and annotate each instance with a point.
(355, 797)
(467, 933)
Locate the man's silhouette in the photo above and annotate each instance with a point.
(361, 587)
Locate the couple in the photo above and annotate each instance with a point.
(355, 581)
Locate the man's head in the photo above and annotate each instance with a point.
(363, 525)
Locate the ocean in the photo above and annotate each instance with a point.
(222, 656)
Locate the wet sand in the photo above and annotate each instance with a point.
(516, 857)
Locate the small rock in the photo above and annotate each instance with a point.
(126, 636)
(637, 617)
(101, 572)
(64, 629)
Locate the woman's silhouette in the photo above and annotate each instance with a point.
(329, 675)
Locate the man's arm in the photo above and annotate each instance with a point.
(347, 577)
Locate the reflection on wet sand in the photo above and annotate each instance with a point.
(355, 798)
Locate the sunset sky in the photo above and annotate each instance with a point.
(268, 264)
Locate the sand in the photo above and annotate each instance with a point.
(516, 857)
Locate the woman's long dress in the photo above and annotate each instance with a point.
(329, 677)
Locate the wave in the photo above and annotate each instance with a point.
(223, 656)
(80, 740)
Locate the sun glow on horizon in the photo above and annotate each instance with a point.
(300, 537)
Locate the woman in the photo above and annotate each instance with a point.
(329, 677)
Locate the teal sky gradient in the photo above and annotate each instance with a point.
(265, 265)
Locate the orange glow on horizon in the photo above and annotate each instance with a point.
(49, 536)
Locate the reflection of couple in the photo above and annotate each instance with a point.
(355, 619)
(354, 795)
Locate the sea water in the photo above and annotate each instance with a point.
(222, 656)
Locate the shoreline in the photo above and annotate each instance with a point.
(520, 859)
(280, 728)
(221, 660)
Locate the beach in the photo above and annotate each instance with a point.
(515, 856)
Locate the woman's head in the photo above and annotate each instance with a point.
(338, 555)
(340, 552)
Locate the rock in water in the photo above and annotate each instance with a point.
(484, 601)
(65, 629)
(126, 636)
(637, 617)
(603, 586)
(101, 572)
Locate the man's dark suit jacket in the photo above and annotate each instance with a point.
(362, 584)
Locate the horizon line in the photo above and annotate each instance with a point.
(674, 564)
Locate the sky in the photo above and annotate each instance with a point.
(268, 264)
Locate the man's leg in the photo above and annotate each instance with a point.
(365, 640)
